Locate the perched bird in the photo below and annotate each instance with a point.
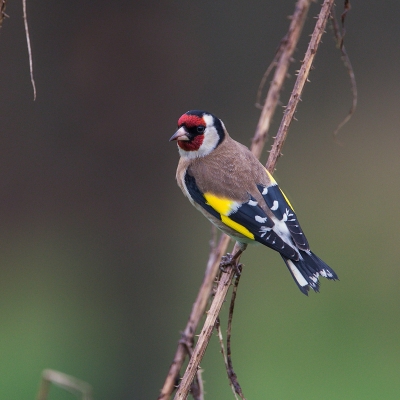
(227, 183)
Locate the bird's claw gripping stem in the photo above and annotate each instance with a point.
(230, 261)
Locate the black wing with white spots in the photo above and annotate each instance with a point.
(248, 215)
(252, 216)
(283, 211)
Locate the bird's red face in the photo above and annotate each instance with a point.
(198, 133)
(192, 128)
(190, 135)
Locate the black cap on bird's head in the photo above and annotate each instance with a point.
(199, 133)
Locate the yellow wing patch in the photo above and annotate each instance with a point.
(225, 207)
(237, 227)
(222, 205)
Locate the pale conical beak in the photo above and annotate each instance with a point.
(180, 134)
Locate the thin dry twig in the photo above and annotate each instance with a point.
(28, 43)
(3, 14)
(299, 85)
(67, 382)
(221, 343)
(196, 314)
(339, 36)
(231, 373)
(284, 54)
(198, 309)
(206, 332)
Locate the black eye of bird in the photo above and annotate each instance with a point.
(200, 129)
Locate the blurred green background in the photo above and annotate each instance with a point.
(100, 254)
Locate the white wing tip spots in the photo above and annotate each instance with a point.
(261, 220)
(275, 205)
(265, 191)
(264, 230)
(252, 203)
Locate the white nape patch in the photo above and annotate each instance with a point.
(211, 139)
(261, 220)
(275, 205)
(252, 203)
(297, 274)
(265, 191)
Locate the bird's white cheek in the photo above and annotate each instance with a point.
(210, 142)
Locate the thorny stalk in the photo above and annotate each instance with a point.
(299, 85)
(231, 373)
(339, 35)
(221, 344)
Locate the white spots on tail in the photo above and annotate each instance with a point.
(326, 274)
(297, 274)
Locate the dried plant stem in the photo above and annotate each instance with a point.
(282, 61)
(347, 63)
(3, 4)
(28, 44)
(206, 332)
(67, 382)
(231, 373)
(196, 314)
(299, 85)
(221, 343)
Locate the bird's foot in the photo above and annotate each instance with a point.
(229, 261)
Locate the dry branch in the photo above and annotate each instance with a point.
(28, 45)
(339, 36)
(67, 382)
(282, 62)
(206, 332)
(299, 84)
(3, 14)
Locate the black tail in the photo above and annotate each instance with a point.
(307, 270)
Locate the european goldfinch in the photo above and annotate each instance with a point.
(228, 184)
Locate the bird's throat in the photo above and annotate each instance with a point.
(192, 145)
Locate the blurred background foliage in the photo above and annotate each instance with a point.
(100, 254)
